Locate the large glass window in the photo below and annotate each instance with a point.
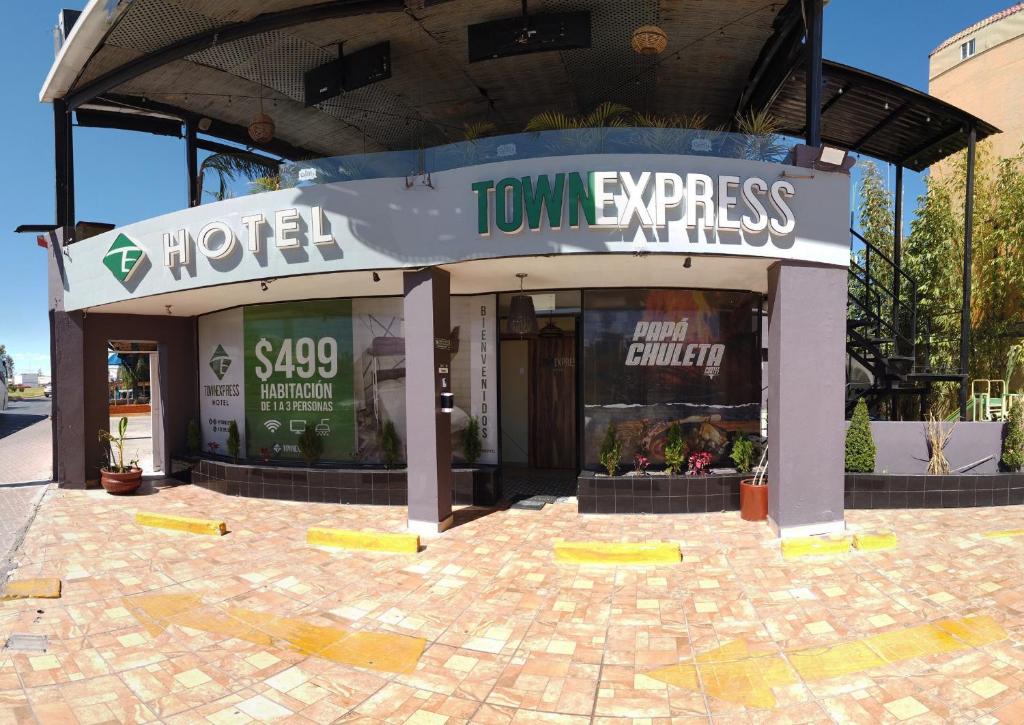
(654, 357)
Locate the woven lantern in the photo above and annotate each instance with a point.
(649, 40)
(522, 317)
(261, 129)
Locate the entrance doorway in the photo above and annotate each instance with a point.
(539, 411)
(133, 374)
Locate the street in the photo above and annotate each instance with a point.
(25, 467)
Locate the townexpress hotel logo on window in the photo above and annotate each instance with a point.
(220, 361)
(123, 258)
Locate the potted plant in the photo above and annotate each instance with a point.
(390, 445)
(472, 446)
(754, 493)
(234, 441)
(311, 445)
(675, 450)
(611, 450)
(116, 477)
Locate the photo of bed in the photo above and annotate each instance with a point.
(379, 370)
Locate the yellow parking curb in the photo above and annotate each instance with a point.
(48, 588)
(616, 554)
(802, 546)
(1003, 534)
(181, 523)
(875, 542)
(396, 543)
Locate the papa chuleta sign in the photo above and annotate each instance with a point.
(617, 199)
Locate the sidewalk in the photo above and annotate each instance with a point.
(162, 626)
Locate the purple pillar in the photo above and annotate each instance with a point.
(806, 385)
(428, 430)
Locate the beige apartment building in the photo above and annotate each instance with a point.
(981, 69)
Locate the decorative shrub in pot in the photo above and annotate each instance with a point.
(116, 477)
(753, 491)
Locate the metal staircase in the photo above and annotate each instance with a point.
(888, 339)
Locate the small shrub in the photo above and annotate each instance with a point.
(640, 464)
(1013, 444)
(390, 445)
(675, 449)
(742, 454)
(699, 462)
(193, 438)
(472, 446)
(937, 437)
(611, 450)
(234, 442)
(311, 446)
(860, 446)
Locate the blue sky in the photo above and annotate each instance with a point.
(123, 176)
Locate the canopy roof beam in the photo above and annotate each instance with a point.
(225, 34)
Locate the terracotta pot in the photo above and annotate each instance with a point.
(753, 500)
(120, 484)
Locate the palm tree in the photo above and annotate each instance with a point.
(229, 166)
(761, 140)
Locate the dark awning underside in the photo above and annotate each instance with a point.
(878, 117)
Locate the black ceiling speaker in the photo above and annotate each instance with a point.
(528, 34)
(347, 73)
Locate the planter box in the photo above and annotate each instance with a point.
(479, 486)
(899, 491)
(657, 494)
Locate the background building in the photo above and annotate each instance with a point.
(981, 69)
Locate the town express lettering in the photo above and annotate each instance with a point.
(616, 199)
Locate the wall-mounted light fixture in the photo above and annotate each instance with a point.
(687, 263)
(376, 277)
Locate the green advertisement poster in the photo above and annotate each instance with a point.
(298, 372)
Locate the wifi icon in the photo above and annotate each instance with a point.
(272, 425)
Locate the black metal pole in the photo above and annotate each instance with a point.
(192, 163)
(897, 243)
(64, 167)
(813, 17)
(965, 312)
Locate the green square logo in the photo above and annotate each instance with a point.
(220, 361)
(123, 258)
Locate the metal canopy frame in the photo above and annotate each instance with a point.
(877, 116)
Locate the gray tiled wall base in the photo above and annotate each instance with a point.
(884, 491)
(336, 485)
(657, 494)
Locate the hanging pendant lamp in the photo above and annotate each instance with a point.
(522, 317)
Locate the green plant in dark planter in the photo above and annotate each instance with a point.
(742, 455)
(611, 450)
(234, 441)
(390, 445)
(860, 446)
(1013, 443)
(472, 446)
(311, 446)
(193, 438)
(675, 449)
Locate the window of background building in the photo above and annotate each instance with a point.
(967, 49)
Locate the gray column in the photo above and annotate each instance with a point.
(428, 430)
(806, 383)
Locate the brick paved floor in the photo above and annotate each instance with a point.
(511, 635)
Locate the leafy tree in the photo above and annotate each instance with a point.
(860, 446)
(1013, 444)
(7, 362)
(934, 257)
